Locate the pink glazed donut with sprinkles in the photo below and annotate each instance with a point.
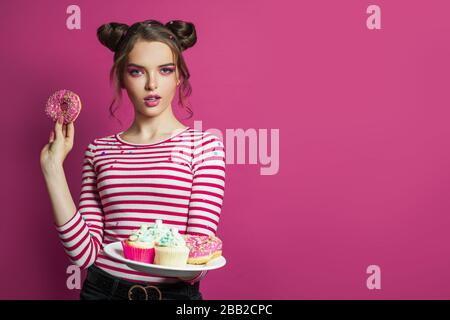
(202, 248)
(63, 102)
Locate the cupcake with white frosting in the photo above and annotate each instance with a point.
(171, 249)
(140, 245)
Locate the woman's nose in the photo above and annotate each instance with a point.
(151, 82)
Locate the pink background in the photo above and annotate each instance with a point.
(363, 120)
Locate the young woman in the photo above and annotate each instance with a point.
(157, 169)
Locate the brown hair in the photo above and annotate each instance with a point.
(120, 38)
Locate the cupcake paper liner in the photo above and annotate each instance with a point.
(138, 254)
(171, 256)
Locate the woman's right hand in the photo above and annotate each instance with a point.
(58, 147)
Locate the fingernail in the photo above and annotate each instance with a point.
(60, 120)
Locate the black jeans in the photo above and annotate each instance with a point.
(100, 285)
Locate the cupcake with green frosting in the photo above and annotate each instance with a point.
(140, 245)
(157, 229)
(171, 249)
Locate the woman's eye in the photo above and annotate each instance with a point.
(167, 70)
(132, 72)
(135, 72)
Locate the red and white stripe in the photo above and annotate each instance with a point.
(180, 180)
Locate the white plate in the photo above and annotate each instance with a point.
(115, 250)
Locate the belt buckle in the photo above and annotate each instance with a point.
(145, 291)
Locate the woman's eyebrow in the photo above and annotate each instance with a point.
(139, 66)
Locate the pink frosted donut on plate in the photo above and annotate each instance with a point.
(63, 102)
(203, 248)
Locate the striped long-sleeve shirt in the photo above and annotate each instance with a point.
(180, 180)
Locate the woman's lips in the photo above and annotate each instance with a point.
(151, 102)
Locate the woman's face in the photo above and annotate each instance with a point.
(150, 69)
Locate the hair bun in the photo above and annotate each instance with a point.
(184, 31)
(110, 34)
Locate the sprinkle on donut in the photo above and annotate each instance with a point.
(63, 102)
(203, 248)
